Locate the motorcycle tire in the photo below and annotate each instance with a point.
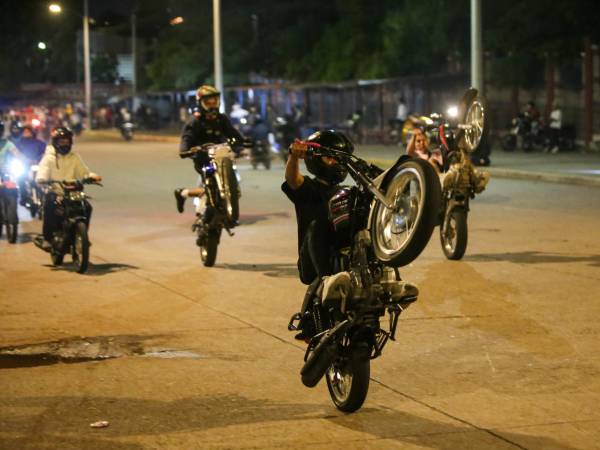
(268, 163)
(1, 229)
(232, 204)
(12, 232)
(348, 379)
(208, 248)
(398, 236)
(57, 258)
(454, 235)
(80, 249)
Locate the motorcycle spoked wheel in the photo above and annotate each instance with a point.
(209, 246)
(232, 201)
(348, 378)
(80, 248)
(454, 235)
(400, 234)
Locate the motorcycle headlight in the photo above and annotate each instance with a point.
(16, 168)
(452, 112)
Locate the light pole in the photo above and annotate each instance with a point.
(55, 8)
(476, 59)
(217, 50)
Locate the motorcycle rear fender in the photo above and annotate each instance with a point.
(382, 181)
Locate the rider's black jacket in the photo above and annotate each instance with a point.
(199, 130)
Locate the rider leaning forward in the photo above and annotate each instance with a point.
(206, 126)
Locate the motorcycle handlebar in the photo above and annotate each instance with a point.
(64, 183)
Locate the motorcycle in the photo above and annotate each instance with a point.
(530, 133)
(127, 129)
(260, 153)
(381, 223)
(9, 193)
(34, 194)
(72, 237)
(285, 131)
(215, 163)
(460, 181)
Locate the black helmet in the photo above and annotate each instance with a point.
(204, 93)
(59, 137)
(16, 129)
(336, 173)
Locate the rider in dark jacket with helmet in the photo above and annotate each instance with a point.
(207, 125)
(310, 197)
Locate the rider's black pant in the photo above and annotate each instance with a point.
(316, 252)
(53, 217)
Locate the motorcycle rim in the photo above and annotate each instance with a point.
(231, 192)
(348, 379)
(475, 118)
(401, 233)
(454, 234)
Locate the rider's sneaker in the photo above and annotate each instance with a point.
(180, 199)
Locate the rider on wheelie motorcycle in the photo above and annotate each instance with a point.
(310, 197)
(59, 164)
(207, 125)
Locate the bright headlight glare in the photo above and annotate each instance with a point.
(452, 111)
(16, 168)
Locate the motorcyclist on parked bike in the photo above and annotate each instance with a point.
(60, 163)
(207, 125)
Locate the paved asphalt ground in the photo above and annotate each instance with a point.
(499, 352)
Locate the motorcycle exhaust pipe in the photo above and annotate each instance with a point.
(322, 356)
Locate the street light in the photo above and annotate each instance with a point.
(42, 46)
(55, 8)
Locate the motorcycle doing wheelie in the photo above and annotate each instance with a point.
(381, 223)
(215, 164)
(460, 180)
(72, 235)
(9, 193)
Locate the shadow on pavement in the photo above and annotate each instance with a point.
(71, 415)
(107, 268)
(251, 219)
(420, 431)
(22, 238)
(66, 422)
(269, 270)
(534, 257)
(94, 269)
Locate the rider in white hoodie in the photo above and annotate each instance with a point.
(60, 164)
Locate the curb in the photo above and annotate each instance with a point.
(142, 137)
(500, 172)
